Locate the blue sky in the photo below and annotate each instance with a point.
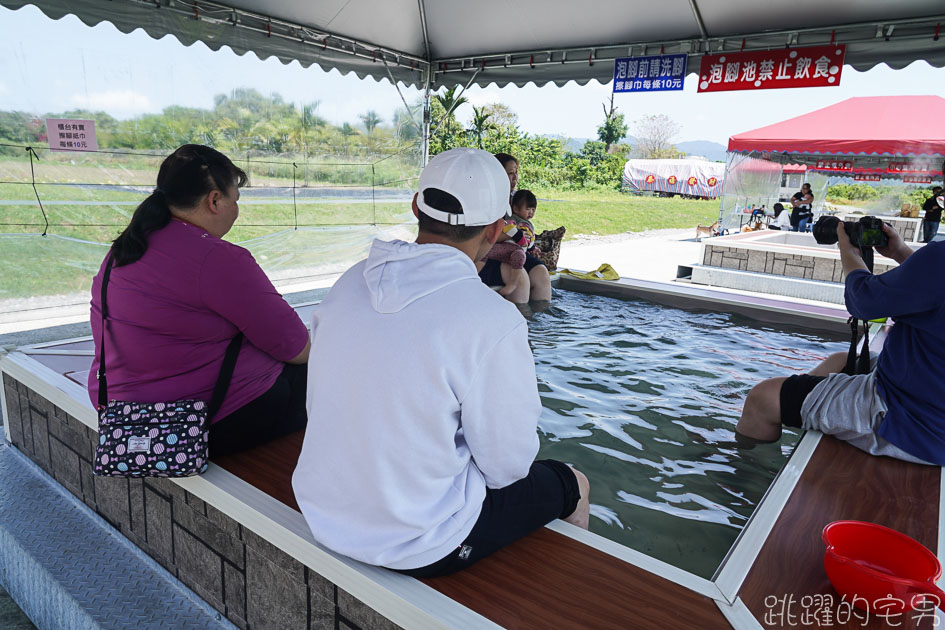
(48, 65)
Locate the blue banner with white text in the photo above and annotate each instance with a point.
(658, 73)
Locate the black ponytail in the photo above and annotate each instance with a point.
(185, 176)
(153, 214)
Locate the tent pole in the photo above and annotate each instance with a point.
(427, 86)
(728, 162)
(427, 95)
(402, 99)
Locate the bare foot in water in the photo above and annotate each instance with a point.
(539, 305)
(581, 514)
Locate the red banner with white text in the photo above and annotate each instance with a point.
(814, 66)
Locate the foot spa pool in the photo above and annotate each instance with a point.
(644, 399)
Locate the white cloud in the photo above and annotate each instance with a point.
(3, 87)
(115, 102)
(483, 97)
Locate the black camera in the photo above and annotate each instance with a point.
(865, 233)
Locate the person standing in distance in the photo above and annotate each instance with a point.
(803, 211)
(933, 214)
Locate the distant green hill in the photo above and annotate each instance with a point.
(712, 151)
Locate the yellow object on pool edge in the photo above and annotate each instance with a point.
(604, 272)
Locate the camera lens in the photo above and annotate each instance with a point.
(825, 230)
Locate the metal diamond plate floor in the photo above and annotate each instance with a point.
(67, 568)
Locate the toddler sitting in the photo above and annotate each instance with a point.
(518, 233)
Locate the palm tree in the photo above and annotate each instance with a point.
(450, 103)
(370, 120)
(480, 124)
(347, 131)
(310, 117)
(263, 134)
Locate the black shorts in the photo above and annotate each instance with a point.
(491, 273)
(794, 391)
(531, 262)
(549, 491)
(280, 410)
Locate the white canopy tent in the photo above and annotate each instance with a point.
(430, 44)
(434, 43)
(448, 42)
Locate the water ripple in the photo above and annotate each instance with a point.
(644, 399)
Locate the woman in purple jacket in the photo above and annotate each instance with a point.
(178, 294)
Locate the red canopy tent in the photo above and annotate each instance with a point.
(888, 135)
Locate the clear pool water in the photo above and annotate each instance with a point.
(644, 399)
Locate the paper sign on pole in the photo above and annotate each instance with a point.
(814, 66)
(67, 134)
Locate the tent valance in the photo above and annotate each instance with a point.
(895, 135)
(496, 41)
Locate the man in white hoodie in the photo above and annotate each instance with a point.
(422, 398)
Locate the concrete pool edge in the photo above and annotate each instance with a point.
(221, 489)
(764, 308)
(740, 558)
(402, 600)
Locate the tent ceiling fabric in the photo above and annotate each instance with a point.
(520, 41)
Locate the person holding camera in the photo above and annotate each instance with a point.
(898, 408)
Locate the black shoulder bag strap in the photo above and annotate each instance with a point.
(226, 370)
(226, 373)
(860, 365)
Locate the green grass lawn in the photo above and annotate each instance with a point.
(33, 266)
(612, 212)
(100, 214)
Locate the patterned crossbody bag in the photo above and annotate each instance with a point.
(163, 439)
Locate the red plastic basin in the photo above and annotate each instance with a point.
(867, 563)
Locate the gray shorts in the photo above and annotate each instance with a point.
(850, 409)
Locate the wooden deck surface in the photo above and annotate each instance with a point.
(548, 580)
(545, 580)
(839, 483)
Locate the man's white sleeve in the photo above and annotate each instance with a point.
(500, 412)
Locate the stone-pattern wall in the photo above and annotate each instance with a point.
(779, 263)
(908, 228)
(247, 579)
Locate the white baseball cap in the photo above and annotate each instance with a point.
(475, 178)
